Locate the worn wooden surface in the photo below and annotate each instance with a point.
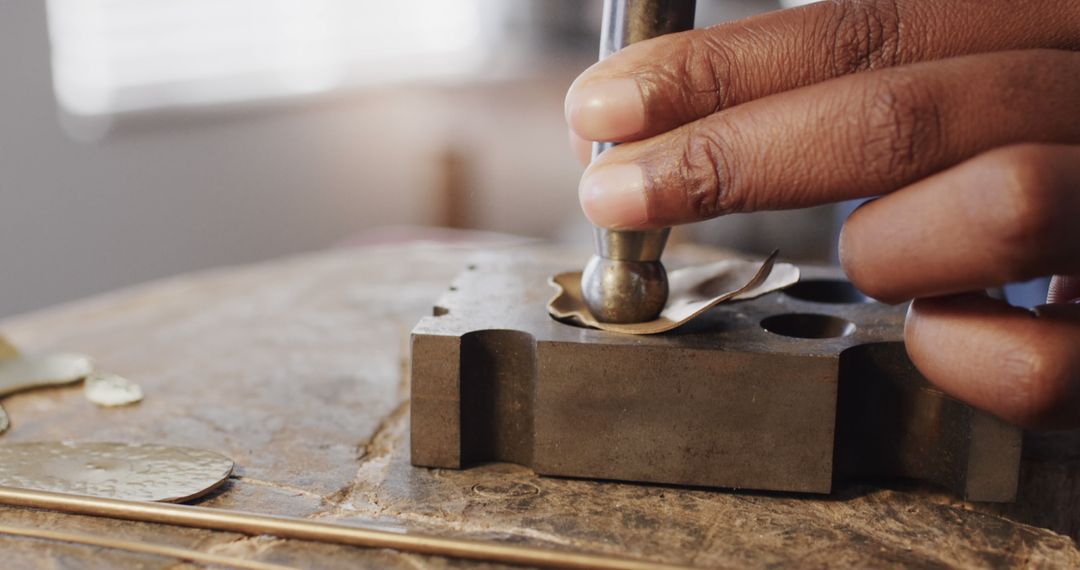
(295, 369)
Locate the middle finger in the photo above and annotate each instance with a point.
(1007, 215)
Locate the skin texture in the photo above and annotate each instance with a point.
(960, 116)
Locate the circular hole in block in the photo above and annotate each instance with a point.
(826, 291)
(808, 325)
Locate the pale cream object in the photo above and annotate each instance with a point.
(138, 472)
(693, 291)
(7, 350)
(23, 373)
(15, 376)
(110, 390)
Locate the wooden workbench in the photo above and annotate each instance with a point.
(296, 369)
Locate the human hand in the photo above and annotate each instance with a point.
(963, 115)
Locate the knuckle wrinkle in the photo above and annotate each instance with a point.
(903, 131)
(711, 189)
(864, 35)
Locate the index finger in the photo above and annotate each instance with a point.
(656, 85)
(851, 137)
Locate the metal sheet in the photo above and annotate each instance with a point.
(693, 291)
(138, 472)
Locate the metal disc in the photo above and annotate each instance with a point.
(693, 291)
(138, 472)
(110, 390)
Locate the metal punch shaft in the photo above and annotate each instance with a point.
(625, 282)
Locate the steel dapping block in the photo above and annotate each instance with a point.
(792, 391)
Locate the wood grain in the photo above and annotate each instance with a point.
(294, 369)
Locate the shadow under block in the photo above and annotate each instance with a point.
(794, 391)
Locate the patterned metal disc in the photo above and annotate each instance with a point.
(139, 472)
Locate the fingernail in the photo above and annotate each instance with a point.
(605, 110)
(613, 196)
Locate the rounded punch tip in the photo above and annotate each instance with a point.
(617, 291)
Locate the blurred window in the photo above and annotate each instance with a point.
(110, 56)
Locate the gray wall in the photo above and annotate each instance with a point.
(167, 194)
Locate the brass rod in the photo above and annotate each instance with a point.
(300, 529)
(185, 554)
